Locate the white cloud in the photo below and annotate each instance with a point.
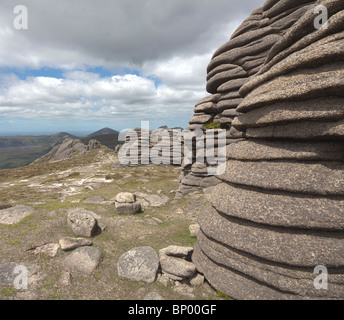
(170, 43)
(88, 96)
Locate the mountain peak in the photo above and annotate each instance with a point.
(103, 131)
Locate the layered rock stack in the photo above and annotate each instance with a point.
(232, 66)
(152, 147)
(278, 216)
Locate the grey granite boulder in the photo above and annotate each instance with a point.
(15, 214)
(68, 244)
(139, 264)
(83, 261)
(153, 296)
(126, 203)
(128, 208)
(82, 223)
(177, 267)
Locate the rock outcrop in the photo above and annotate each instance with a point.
(232, 66)
(68, 148)
(278, 214)
(143, 147)
(126, 203)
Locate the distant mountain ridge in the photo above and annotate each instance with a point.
(106, 136)
(19, 151)
(103, 132)
(26, 141)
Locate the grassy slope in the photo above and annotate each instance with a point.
(13, 158)
(122, 233)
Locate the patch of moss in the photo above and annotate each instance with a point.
(8, 292)
(216, 125)
(184, 237)
(14, 242)
(73, 175)
(222, 295)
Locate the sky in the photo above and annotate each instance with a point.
(82, 65)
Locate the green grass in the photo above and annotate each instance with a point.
(216, 125)
(184, 237)
(21, 157)
(222, 295)
(45, 167)
(8, 292)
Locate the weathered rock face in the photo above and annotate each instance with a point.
(144, 147)
(279, 211)
(68, 148)
(15, 214)
(126, 203)
(82, 223)
(139, 264)
(232, 66)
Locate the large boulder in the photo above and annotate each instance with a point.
(278, 213)
(83, 261)
(139, 264)
(231, 68)
(126, 203)
(15, 214)
(82, 223)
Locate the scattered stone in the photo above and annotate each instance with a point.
(177, 266)
(176, 251)
(157, 220)
(49, 249)
(172, 277)
(126, 203)
(83, 260)
(184, 289)
(154, 200)
(139, 264)
(153, 296)
(15, 214)
(197, 280)
(128, 208)
(150, 222)
(64, 280)
(68, 244)
(194, 229)
(125, 197)
(94, 200)
(82, 223)
(164, 279)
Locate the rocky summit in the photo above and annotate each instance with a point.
(81, 224)
(232, 66)
(72, 226)
(278, 214)
(68, 148)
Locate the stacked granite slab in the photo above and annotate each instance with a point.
(159, 146)
(279, 212)
(233, 65)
